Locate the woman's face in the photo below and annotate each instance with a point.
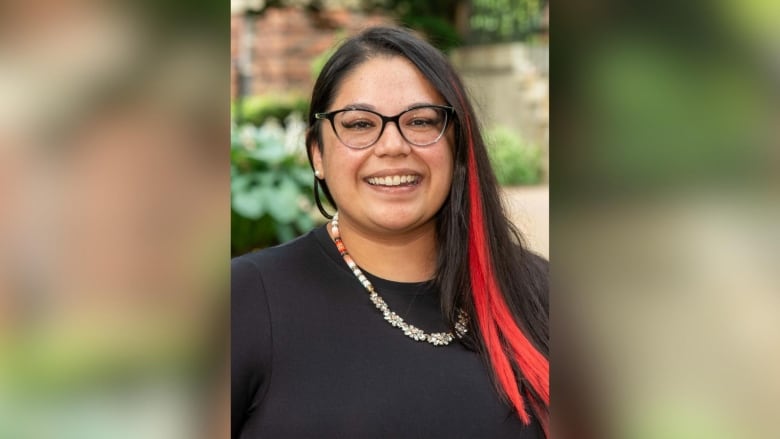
(356, 178)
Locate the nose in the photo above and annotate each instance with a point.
(391, 142)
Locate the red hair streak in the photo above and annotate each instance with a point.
(504, 340)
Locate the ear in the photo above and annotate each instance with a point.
(316, 159)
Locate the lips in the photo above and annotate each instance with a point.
(394, 180)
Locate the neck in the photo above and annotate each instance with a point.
(400, 257)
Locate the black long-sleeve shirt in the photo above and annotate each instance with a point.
(313, 358)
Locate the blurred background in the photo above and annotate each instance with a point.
(134, 136)
(114, 219)
(665, 219)
(115, 207)
(500, 48)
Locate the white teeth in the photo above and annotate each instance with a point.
(395, 180)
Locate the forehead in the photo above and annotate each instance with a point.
(389, 84)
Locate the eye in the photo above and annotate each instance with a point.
(421, 122)
(423, 118)
(358, 121)
(360, 124)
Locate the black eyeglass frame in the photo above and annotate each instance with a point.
(448, 113)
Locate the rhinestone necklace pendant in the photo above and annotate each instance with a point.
(411, 331)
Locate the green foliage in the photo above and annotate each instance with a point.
(271, 185)
(438, 30)
(256, 110)
(319, 62)
(514, 161)
(495, 21)
(433, 18)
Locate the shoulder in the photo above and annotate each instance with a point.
(537, 262)
(529, 262)
(269, 259)
(277, 271)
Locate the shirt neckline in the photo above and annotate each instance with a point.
(382, 285)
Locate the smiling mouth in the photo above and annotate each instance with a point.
(394, 180)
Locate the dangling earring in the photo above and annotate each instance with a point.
(317, 200)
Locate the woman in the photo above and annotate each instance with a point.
(415, 312)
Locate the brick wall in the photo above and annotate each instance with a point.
(283, 42)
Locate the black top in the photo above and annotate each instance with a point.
(313, 358)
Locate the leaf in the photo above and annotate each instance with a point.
(271, 152)
(240, 183)
(304, 222)
(249, 204)
(285, 232)
(304, 176)
(283, 203)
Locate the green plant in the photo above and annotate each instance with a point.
(271, 185)
(257, 110)
(435, 19)
(320, 60)
(504, 20)
(439, 32)
(514, 160)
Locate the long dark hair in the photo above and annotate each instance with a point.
(492, 276)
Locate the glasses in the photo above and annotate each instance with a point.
(358, 128)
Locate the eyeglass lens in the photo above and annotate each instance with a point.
(419, 126)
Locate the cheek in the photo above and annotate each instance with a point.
(447, 161)
(339, 162)
(442, 167)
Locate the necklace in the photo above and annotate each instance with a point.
(411, 331)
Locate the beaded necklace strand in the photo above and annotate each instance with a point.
(411, 331)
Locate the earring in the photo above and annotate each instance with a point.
(317, 174)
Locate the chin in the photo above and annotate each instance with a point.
(402, 223)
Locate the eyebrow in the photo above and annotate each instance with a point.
(360, 106)
(364, 106)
